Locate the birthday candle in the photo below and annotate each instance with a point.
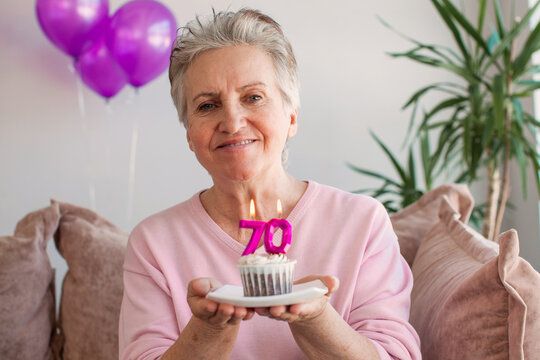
(285, 226)
(258, 229)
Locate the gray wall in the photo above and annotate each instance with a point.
(57, 140)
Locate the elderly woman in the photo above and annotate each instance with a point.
(234, 83)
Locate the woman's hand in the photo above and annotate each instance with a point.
(319, 330)
(217, 315)
(212, 330)
(302, 311)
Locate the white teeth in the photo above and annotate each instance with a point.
(240, 143)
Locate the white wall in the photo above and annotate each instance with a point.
(349, 86)
(524, 213)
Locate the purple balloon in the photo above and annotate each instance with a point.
(73, 25)
(100, 72)
(140, 37)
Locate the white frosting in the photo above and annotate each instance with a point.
(264, 259)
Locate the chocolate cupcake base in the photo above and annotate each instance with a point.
(268, 279)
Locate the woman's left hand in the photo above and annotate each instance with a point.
(302, 311)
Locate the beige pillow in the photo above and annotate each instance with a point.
(472, 298)
(412, 223)
(27, 301)
(92, 289)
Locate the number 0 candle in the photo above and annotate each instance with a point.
(285, 226)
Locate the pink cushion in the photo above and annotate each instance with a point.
(92, 289)
(27, 300)
(474, 299)
(413, 222)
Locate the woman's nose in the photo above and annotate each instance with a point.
(233, 118)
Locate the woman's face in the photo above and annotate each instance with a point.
(237, 121)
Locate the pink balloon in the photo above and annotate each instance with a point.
(140, 36)
(73, 25)
(100, 72)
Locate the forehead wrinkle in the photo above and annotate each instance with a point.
(204, 94)
(252, 84)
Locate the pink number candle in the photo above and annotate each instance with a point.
(269, 236)
(269, 228)
(286, 228)
(258, 229)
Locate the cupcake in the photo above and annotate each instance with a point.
(266, 274)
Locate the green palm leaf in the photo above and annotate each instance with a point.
(372, 174)
(395, 163)
(467, 26)
(445, 15)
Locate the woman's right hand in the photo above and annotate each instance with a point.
(212, 330)
(218, 315)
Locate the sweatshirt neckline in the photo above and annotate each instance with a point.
(294, 217)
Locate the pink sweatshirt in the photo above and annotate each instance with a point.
(334, 233)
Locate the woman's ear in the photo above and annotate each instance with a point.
(293, 126)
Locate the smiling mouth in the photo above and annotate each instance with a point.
(244, 142)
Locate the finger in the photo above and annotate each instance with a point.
(277, 311)
(250, 313)
(197, 290)
(288, 317)
(209, 306)
(202, 308)
(285, 315)
(240, 312)
(223, 314)
(202, 286)
(238, 315)
(331, 282)
(306, 308)
(307, 279)
(297, 309)
(263, 311)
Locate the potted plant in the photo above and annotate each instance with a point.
(480, 124)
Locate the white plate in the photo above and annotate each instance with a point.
(300, 293)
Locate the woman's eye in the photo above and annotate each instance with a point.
(254, 98)
(206, 107)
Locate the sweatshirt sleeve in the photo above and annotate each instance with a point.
(382, 298)
(147, 327)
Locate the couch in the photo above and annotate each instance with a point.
(472, 298)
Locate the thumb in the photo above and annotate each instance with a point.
(202, 286)
(331, 282)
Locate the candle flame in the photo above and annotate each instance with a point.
(279, 208)
(252, 209)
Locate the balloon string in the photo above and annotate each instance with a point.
(108, 134)
(80, 96)
(132, 162)
(86, 134)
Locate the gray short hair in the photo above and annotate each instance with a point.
(227, 28)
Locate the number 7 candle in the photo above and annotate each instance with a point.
(258, 229)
